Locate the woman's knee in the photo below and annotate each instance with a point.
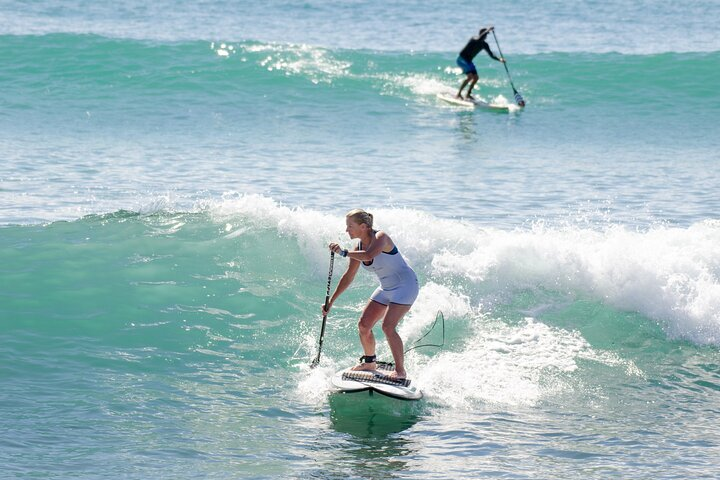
(388, 328)
(365, 325)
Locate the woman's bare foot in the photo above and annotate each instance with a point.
(363, 367)
(367, 362)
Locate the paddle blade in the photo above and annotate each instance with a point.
(519, 99)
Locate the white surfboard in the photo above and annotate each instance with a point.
(375, 381)
(476, 103)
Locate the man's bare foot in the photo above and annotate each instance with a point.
(469, 97)
(395, 375)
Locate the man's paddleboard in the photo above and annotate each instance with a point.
(375, 381)
(476, 103)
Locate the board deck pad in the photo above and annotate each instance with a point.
(352, 381)
(376, 376)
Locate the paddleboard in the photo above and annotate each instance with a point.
(476, 103)
(375, 381)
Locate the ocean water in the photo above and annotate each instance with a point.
(172, 173)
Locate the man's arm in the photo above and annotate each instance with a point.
(491, 54)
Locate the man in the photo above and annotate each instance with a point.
(465, 59)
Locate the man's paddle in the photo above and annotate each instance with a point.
(518, 97)
(316, 362)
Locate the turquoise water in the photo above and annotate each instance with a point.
(172, 173)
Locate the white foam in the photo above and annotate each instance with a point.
(314, 385)
(504, 364)
(426, 87)
(316, 63)
(420, 84)
(433, 298)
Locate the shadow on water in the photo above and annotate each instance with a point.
(473, 124)
(374, 446)
(364, 415)
(466, 126)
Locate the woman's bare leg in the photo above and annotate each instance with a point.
(372, 313)
(393, 316)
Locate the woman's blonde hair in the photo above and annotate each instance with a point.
(360, 216)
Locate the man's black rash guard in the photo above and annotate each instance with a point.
(473, 47)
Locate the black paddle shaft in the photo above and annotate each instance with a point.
(518, 97)
(316, 361)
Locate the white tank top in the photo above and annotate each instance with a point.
(391, 268)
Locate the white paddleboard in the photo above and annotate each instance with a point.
(476, 103)
(375, 381)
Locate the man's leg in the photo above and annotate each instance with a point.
(474, 78)
(465, 82)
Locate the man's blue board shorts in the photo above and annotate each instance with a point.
(467, 67)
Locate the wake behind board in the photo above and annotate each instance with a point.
(476, 103)
(375, 381)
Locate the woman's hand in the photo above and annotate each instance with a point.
(336, 248)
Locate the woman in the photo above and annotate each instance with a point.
(391, 300)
